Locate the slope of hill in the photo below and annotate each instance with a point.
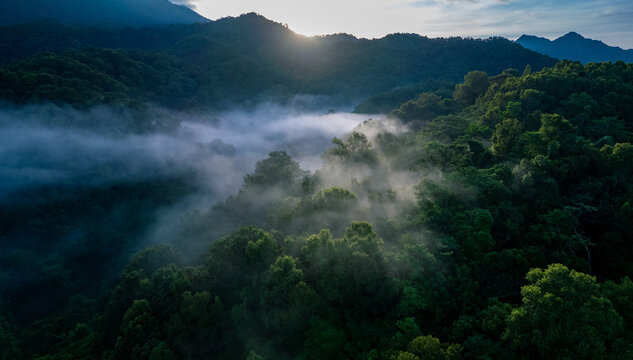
(98, 12)
(232, 60)
(573, 46)
(499, 230)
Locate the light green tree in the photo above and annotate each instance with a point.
(563, 316)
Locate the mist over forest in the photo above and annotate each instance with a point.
(50, 145)
(50, 159)
(233, 190)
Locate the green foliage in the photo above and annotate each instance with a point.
(8, 348)
(97, 225)
(555, 128)
(355, 261)
(355, 148)
(277, 170)
(195, 331)
(139, 330)
(475, 84)
(425, 107)
(386, 102)
(564, 315)
(505, 138)
(428, 347)
(253, 356)
(325, 341)
(161, 352)
(234, 60)
(232, 261)
(153, 258)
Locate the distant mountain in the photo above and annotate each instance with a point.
(573, 46)
(98, 12)
(232, 60)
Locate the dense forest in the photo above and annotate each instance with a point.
(99, 12)
(496, 227)
(487, 219)
(242, 60)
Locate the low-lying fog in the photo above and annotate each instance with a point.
(217, 149)
(57, 165)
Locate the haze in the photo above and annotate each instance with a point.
(607, 20)
(218, 148)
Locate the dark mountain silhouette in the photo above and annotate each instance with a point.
(573, 46)
(232, 60)
(98, 12)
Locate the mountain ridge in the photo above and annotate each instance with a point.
(232, 60)
(573, 46)
(99, 12)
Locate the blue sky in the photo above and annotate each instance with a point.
(608, 20)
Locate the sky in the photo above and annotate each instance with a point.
(610, 21)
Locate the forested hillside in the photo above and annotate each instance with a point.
(98, 12)
(493, 225)
(232, 61)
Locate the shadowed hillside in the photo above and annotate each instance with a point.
(232, 60)
(98, 12)
(573, 46)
